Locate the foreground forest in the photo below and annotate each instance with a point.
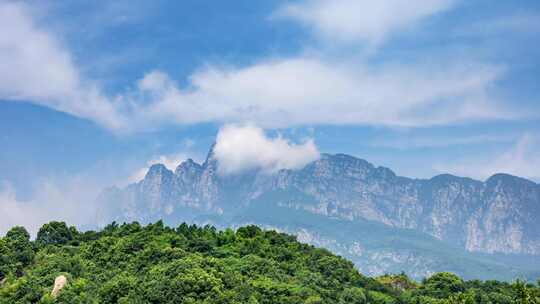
(131, 263)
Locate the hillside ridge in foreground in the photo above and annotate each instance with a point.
(130, 263)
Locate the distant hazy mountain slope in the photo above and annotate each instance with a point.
(499, 215)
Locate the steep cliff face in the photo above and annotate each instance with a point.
(497, 216)
(507, 219)
(493, 216)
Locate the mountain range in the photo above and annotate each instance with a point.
(381, 221)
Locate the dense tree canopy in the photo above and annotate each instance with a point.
(54, 233)
(131, 263)
(16, 251)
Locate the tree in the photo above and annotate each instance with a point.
(18, 232)
(442, 285)
(18, 240)
(523, 294)
(16, 252)
(376, 297)
(353, 295)
(5, 261)
(250, 231)
(461, 298)
(54, 233)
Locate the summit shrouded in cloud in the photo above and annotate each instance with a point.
(240, 148)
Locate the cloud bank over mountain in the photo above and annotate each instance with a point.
(240, 148)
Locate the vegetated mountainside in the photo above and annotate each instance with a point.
(472, 218)
(131, 263)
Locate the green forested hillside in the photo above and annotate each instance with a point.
(131, 263)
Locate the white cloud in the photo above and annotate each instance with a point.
(522, 159)
(16, 213)
(36, 67)
(240, 148)
(303, 91)
(70, 201)
(272, 93)
(361, 20)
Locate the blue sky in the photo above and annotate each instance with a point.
(94, 91)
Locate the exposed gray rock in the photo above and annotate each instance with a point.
(499, 215)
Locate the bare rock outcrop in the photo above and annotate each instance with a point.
(59, 283)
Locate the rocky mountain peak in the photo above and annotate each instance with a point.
(467, 212)
(158, 171)
(210, 157)
(499, 215)
(507, 179)
(449, 179)
(187, 166)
